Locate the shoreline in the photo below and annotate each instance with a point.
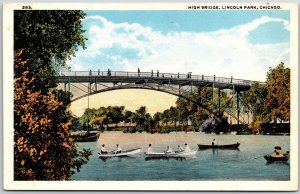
(182, 132)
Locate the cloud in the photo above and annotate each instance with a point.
(226, 52)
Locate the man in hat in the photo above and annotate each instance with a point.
(278, 151)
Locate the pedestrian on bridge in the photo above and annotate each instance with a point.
(139, 72)
(157, 73)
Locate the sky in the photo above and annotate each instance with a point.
(225, 43)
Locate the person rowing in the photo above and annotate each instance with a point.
(187, 148)
(169, 150)
(119, 149)
(149, 150)
(103, 150)
(179, 149)
(214, 142)
(278, 152)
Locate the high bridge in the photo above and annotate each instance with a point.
(93, 82)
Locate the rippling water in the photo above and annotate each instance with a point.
(247, 163)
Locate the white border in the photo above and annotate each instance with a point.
(8, 134)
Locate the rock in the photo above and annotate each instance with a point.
(215, 125)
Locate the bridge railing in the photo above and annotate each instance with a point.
(157, 74)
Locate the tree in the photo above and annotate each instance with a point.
(43, 40)
(47, 38)
(42, 144)
(277, 101)
(115, 114)
(142, 119)
(128, 116)
(254, 100)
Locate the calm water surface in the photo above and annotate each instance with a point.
(247, 163)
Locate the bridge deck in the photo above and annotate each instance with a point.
(152, 77)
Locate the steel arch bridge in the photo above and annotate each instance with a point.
(93, 82)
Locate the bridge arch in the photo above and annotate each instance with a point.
(163, 82)
(160, 90)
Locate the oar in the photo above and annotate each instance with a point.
(262, 156)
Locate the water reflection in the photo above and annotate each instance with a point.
(119, 158)
(278, 163)
(165, 158)
(228, 153)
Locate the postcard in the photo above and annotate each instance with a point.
(151, 96)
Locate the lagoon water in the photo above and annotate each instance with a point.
(247, 163)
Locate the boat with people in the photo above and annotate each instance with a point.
(283, 158)
(226, 146)
(279, 156)
(170, 155)
(125, 153)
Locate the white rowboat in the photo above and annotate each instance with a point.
(171, 155)
(122, 154)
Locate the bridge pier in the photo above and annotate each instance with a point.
(213, 88)
(238, 106)
(219, 101)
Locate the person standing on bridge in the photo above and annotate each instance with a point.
(157, 73)
(139, 72)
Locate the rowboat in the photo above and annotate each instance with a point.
(87, 137)
(126, 153)
(228, 146)
(170, 155)
(271, 158)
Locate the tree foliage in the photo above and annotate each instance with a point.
(41, 134)
(47, 38)
(254, 100)
(43, 40)
(277, 101)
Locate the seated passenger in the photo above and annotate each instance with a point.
(119, 149)
(187, 148)
(214, 142)
(278, 152)
(149, 151)
(169, 150)
(286, 153)
(103, 150)
(180, 149)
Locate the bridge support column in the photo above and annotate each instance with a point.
(69, 85)
(96, 84)
(213, 88)
(219, 101)
(238, 106)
